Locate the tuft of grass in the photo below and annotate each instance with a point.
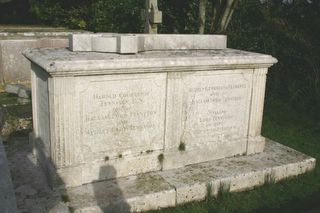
(161, 158)
(182, 146)
(209, 191)
(224, 189)
(269, 178)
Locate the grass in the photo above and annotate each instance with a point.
(285, 125)
(15, 116)
(14, 108)
(8, 99)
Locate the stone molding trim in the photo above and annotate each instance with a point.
(62, 62)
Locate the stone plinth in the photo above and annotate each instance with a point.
(143, 112)
(192, 183)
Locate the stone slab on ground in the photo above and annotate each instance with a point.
(13, 88)
(131, 194)
(24, 93)
(19, 89)
(8, 202)
(191, 183)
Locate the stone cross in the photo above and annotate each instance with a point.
(152, 17)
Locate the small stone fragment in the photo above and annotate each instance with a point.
(18, 89)
(13, 88)
(24, 93)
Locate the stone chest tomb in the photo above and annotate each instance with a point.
(142, 103)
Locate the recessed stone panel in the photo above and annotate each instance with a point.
(123, 115)
(215, 107)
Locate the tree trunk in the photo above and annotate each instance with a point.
(223, 10)
(202, 15)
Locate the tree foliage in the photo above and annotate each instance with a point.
(179, 16)
(289, 32)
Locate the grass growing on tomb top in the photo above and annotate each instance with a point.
(282, 124)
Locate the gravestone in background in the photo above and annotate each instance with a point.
(14, 39)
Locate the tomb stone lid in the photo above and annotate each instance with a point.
(150, 53)
(64, 62)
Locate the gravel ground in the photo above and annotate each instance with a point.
(32, 192)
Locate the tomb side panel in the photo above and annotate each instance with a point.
(64, 122)
(212, 118)
(215, 107)
(40, 108)
(256, 142)
(122, 115)
(107, 120)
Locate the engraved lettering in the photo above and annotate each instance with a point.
(218, 106)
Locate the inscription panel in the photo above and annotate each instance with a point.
(215, 107)
(123, 114)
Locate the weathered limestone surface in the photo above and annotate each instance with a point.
(144, 112)
(8, 202)
(210, 117)
(62, 62)
(131, 194)
(238, 173)
(173, 187)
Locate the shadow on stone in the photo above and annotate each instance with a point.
(39, 188)
(108, 194)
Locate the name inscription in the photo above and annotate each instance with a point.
(123, 113)
(215, 107)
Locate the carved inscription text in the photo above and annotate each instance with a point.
(215, 107)
(125, 113)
